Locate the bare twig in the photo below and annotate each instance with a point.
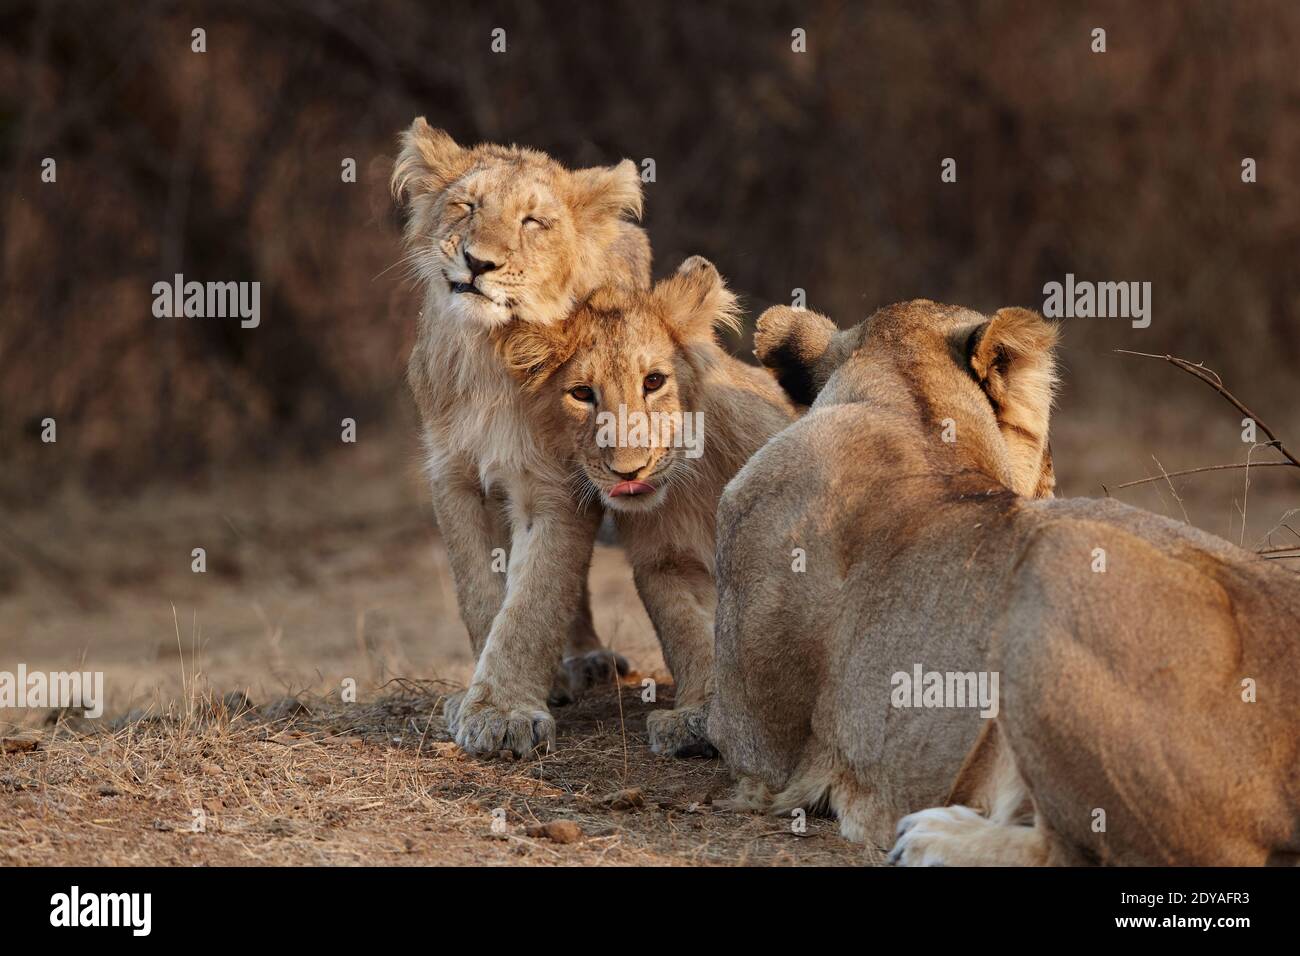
(1212, 379)
(1194, 471)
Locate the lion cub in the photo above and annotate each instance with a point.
(658, 418)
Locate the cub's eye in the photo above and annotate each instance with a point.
(582, 393)
(465, 207)
(532, 222)
(654, 381)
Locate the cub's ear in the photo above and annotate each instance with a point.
(609, 192)
(428, 162)
(533, 351)
(696, 302)
(792, 343)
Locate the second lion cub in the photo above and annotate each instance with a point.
(659, 418)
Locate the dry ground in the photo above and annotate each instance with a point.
(380, 783)
(323, 574)
(315, 577)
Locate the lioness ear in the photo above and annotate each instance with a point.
(429, 161)
(1012, 356)
(697, 302)
(608, 191)
(792, 342)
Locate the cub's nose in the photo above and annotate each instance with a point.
(478, 266)
(626, 475)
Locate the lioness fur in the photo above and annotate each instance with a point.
(641, 354)
(1121, 689)
(501, 234)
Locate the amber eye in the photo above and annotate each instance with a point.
(654, 381)
(582, 393)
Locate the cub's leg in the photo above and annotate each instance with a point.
(505, 705)
(586, 663)
(472, 524)
(679, 595)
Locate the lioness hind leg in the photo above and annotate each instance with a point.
(959, 836)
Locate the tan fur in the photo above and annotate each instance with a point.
(552, 235)
(609, 346)
(1120, 691)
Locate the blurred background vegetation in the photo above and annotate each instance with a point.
(818, 171)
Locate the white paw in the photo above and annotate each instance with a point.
(927, 838)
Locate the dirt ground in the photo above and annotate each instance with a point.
(380, 784)
(312, 580)
(326, 575)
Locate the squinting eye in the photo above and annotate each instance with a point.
(533, 222)
(654, 381)
(465, 207)
(582, 393)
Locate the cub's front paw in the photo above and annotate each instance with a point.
(482, 726)
(581, 672)
(680, 732)
(933, 837)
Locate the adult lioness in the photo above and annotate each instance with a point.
(658, 417)
(496, 234)
(1121, 638)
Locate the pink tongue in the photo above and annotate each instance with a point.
(631, 488)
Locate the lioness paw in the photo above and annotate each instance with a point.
(680, 732)
(933, 837)
(483, 728)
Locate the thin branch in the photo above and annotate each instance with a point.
(1194, 471)
(1211, 378)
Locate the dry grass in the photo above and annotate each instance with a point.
(376, 783)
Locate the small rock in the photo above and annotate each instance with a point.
(557, 831)
(137, 716)
(236, 702)
(212, 770)
(629, 799)
(108, 790)
(284, 708)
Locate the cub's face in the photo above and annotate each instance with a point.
(622, 396)
(502, 232)
(620, 378)
(497, 244)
